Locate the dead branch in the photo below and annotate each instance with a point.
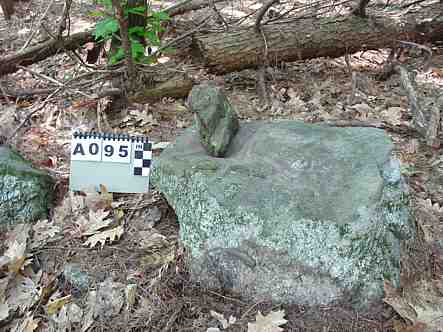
(9, 64)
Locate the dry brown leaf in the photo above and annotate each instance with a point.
(43, 231)
(268, 323)
(130, 294)
(15, 256)
(4, 310)
(163, 256)
(97, 221)
(99, 201)
(91, 314)
(150, 239)
(429, 216)
(69, 314)
(420, 303)
(22, 293)
(111, 234)
(28, 324)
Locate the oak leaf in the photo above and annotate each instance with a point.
(268, 323)
(111, 234)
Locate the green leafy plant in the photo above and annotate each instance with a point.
(108, 28)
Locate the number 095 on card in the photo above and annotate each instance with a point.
(120, 162)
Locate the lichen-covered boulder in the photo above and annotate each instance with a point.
(216, 119)
(25, 192)
(296, 213)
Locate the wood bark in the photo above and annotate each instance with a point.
(9, 64)
(177, 86)
(224, 52)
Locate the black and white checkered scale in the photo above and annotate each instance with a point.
(142, 158)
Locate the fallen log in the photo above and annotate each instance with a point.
(177, 86)
(9, 64)
(224, 52)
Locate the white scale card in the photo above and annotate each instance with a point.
(119, 162)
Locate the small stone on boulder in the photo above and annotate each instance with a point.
(216, 119)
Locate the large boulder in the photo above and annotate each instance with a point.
(216, 119)
(296, 213)
(25, 192)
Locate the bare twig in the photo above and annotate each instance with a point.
(185, 35)
(412, 4)
(65, 21)
(261, 71)
(262, 13)
(219, 15)
(53, 80)
(34, 31)
(427, 51)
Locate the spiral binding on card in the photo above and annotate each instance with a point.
(111, 137)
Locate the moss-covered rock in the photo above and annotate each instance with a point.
(295, 212)
(25, 192)
(216, 119)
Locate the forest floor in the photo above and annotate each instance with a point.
(146, 262)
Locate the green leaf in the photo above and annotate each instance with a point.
(161, 16)
(105, 28)
(137, 50)
(137, 31)
(153, 38)
(117, 56)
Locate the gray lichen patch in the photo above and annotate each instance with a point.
(297, 213)
(25, 192)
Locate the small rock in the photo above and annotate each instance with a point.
(216, 119)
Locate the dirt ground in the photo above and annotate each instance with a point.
(166, 300)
